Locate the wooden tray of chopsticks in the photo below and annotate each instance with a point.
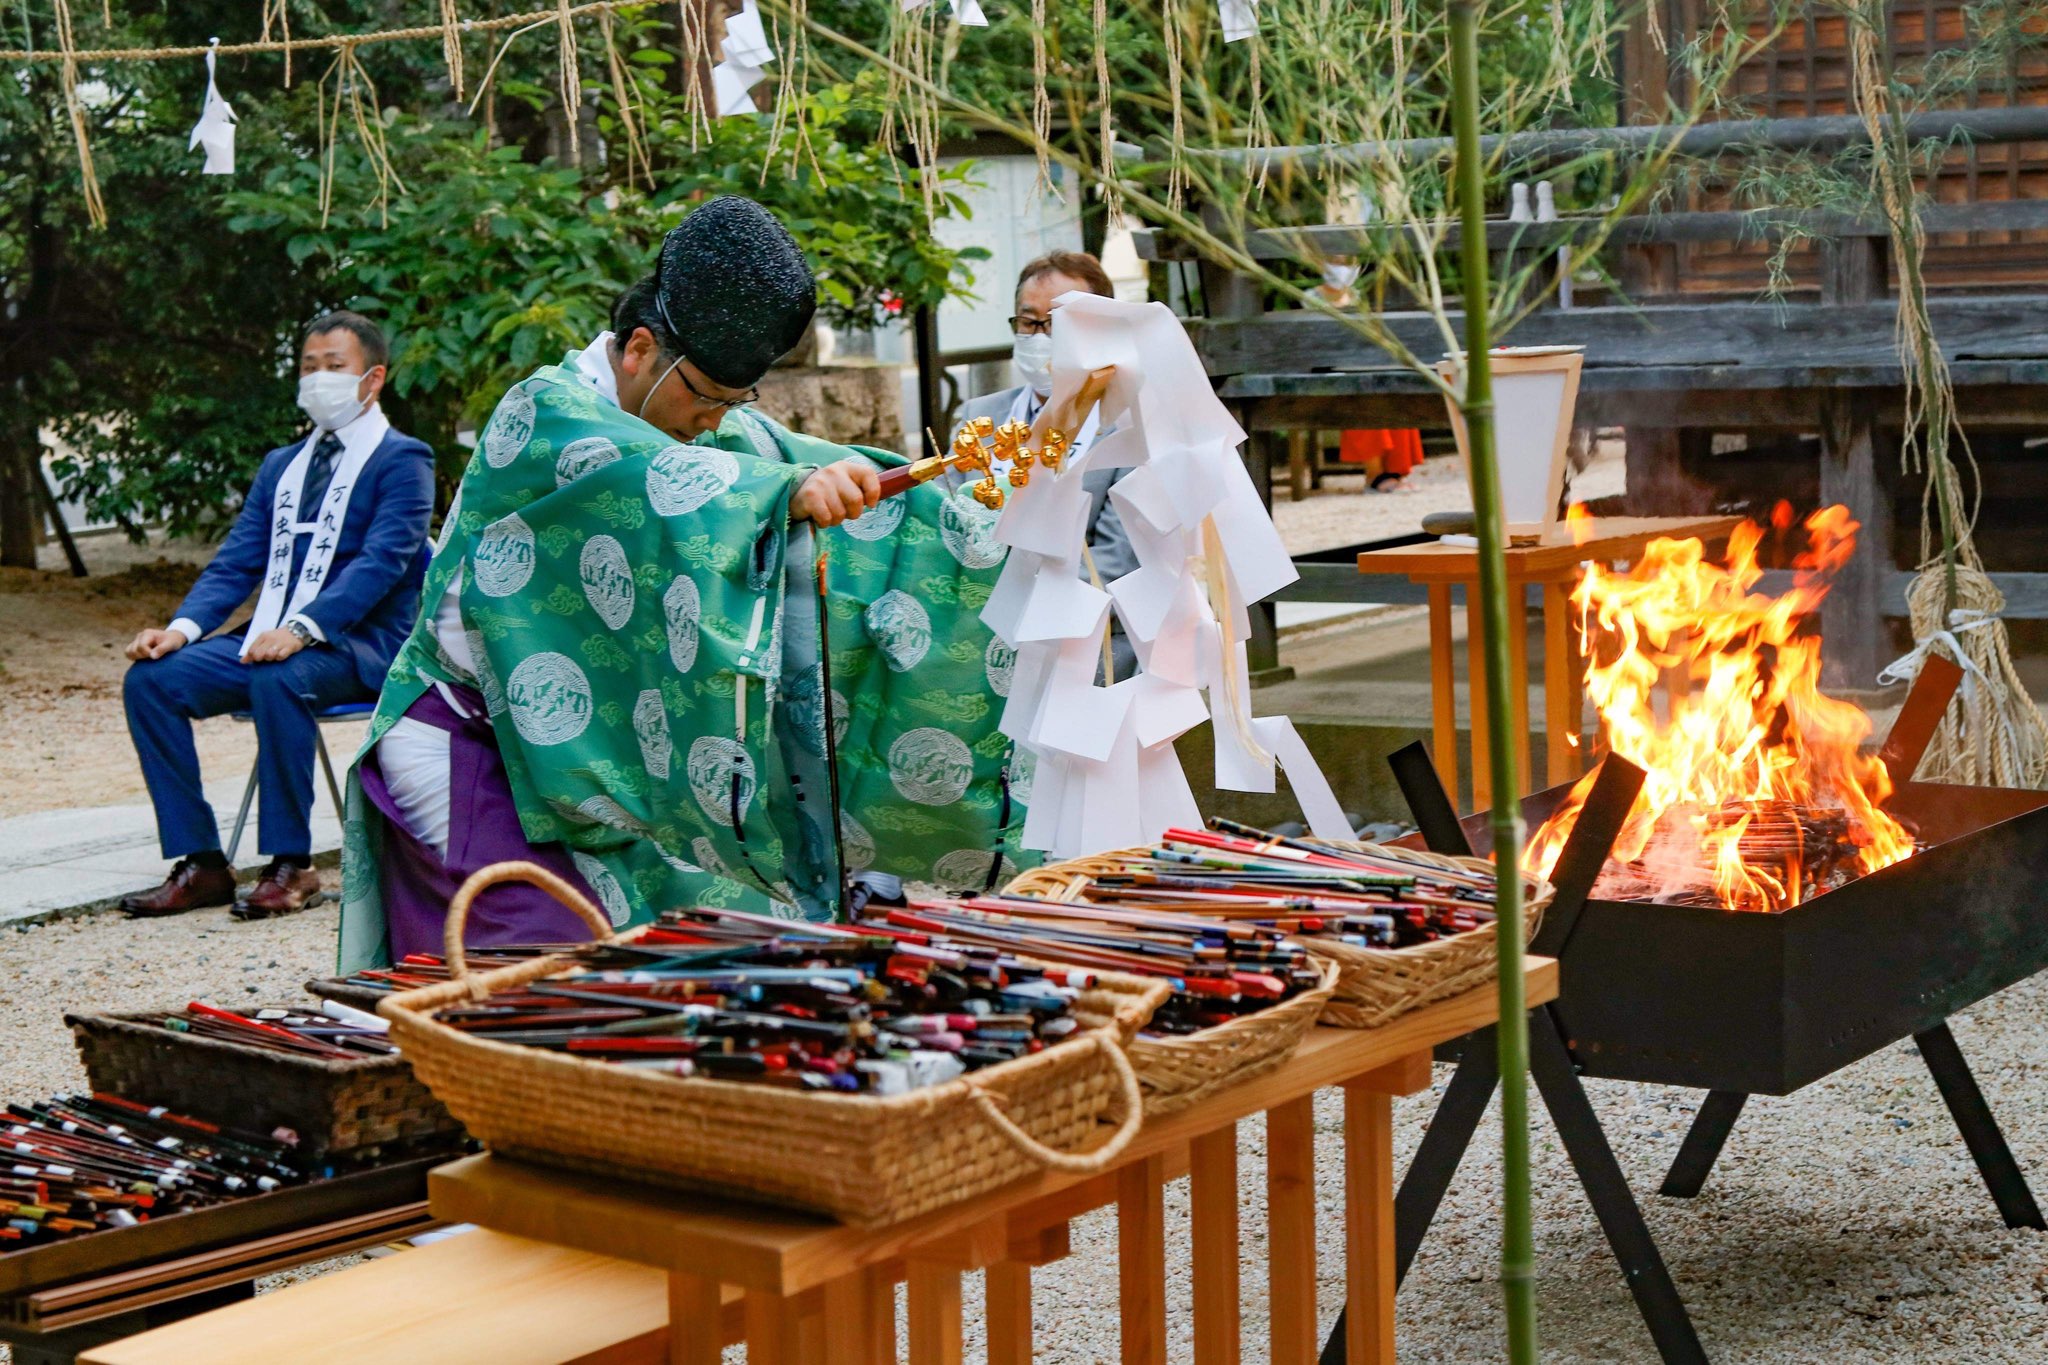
(1373, 985)
(335, 1106)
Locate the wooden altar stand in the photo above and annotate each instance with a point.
(810, 1290)
(1554, 568)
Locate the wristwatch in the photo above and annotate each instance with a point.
(300, 629)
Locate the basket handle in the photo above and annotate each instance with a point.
(484, 878)
(1074, 1163)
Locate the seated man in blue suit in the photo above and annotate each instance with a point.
(333, 542)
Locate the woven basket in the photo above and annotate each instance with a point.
(1374, 985)
(334, 1106)
(864, 1159)
(1175, 1071)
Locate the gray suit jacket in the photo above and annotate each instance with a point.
(1107, 543)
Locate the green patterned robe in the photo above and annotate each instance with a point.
(644, 623)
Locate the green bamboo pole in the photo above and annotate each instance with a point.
(1517, 1254)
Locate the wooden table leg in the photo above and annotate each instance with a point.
(1009, 1313)
(1443, 690)
(808, 1335)
(1518, 680)
(1291, 1229)
(771, 1330)
(1368, 1226)
(1141, 1260)
(849, 1337)
(934, 1314)
(695, 1318)
(1475, 688)
(1212, 1197)
(882, 1314)
(1299, 475)
(1560, 687)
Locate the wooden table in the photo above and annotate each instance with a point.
(821, 1291)
(1555, 568)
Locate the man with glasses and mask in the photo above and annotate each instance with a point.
(623, 673)
(330, 540)
(1038, 284)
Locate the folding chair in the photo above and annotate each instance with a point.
(349, 710)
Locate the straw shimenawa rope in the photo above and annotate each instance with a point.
(329, 42)
(1992, 733)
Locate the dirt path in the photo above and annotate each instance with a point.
(61, 663)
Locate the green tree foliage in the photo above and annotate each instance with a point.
(160, 349)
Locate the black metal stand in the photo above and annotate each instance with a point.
(1621, 1219)
(1557, 1080)
(1703, 1141)
(2002, 1174)
(1980, 1131)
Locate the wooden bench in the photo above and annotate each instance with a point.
(479, 1296)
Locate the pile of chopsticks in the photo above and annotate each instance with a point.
(1382, 898)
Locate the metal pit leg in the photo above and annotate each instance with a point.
(1702, 1145)
(1450, 1133)
(1995, 1162)
(1607, 1189)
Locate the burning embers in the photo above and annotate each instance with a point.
(1757, 795)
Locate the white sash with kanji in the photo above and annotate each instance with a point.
(287, 524)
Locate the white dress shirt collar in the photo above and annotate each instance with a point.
(593, 365)
(364, 433)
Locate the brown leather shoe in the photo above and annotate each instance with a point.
(189, 887)
(283, 889)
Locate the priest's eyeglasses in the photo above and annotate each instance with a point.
(750, 396)
(1027, 325)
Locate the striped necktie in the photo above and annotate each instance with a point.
(319, 473)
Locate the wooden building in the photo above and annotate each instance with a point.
(1732, 394)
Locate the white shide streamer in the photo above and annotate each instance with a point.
(1106, 773)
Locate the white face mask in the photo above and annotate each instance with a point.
(1032, 360)
(329, 398)
(1340, 276)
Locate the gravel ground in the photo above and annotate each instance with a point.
(1844, 1225)
(61, 664)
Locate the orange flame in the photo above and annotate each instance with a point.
(1744, 732)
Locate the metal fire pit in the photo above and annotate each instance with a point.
(1741, 1003)
(1765, 1003)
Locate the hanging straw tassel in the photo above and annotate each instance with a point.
(622, 92)
(1177, 168)
(451, 43)
(1258, 132)
(1107, 129)
(794, 58)
(278, 11)
(691, 23)
(572, 80)
(351, 82)
(95, 209)
(1041, 101)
